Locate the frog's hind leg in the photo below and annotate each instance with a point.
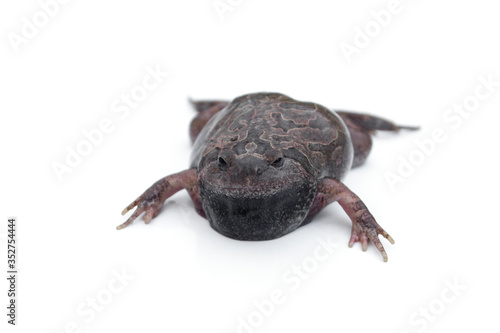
(362, 127)
(372, 123)
(361, 141)
(203, 105)
(206, 110)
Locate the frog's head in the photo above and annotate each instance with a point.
(255, 195)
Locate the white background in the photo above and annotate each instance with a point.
(188, 278)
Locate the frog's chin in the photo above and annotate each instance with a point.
(262, 210)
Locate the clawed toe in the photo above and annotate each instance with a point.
(131, 206)
(136, 214)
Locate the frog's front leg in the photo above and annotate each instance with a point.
(364, 226)
(153, 198)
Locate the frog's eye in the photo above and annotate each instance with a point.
(277, 162)
(222, 164)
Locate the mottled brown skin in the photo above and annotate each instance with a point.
(264, 164)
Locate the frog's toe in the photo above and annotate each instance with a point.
(378, 244)
(135, 215)
(131, 206)
(151, 213)
(358, 236)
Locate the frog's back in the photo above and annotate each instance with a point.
(270, 122)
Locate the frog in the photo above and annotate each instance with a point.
(264, 164)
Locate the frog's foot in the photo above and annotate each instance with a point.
(364, 226)
(151, 201)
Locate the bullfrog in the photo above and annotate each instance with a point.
(265, 164)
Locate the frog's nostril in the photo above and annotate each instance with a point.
(222, 164)
(277, 162)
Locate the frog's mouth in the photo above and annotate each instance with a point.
(264, 210)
